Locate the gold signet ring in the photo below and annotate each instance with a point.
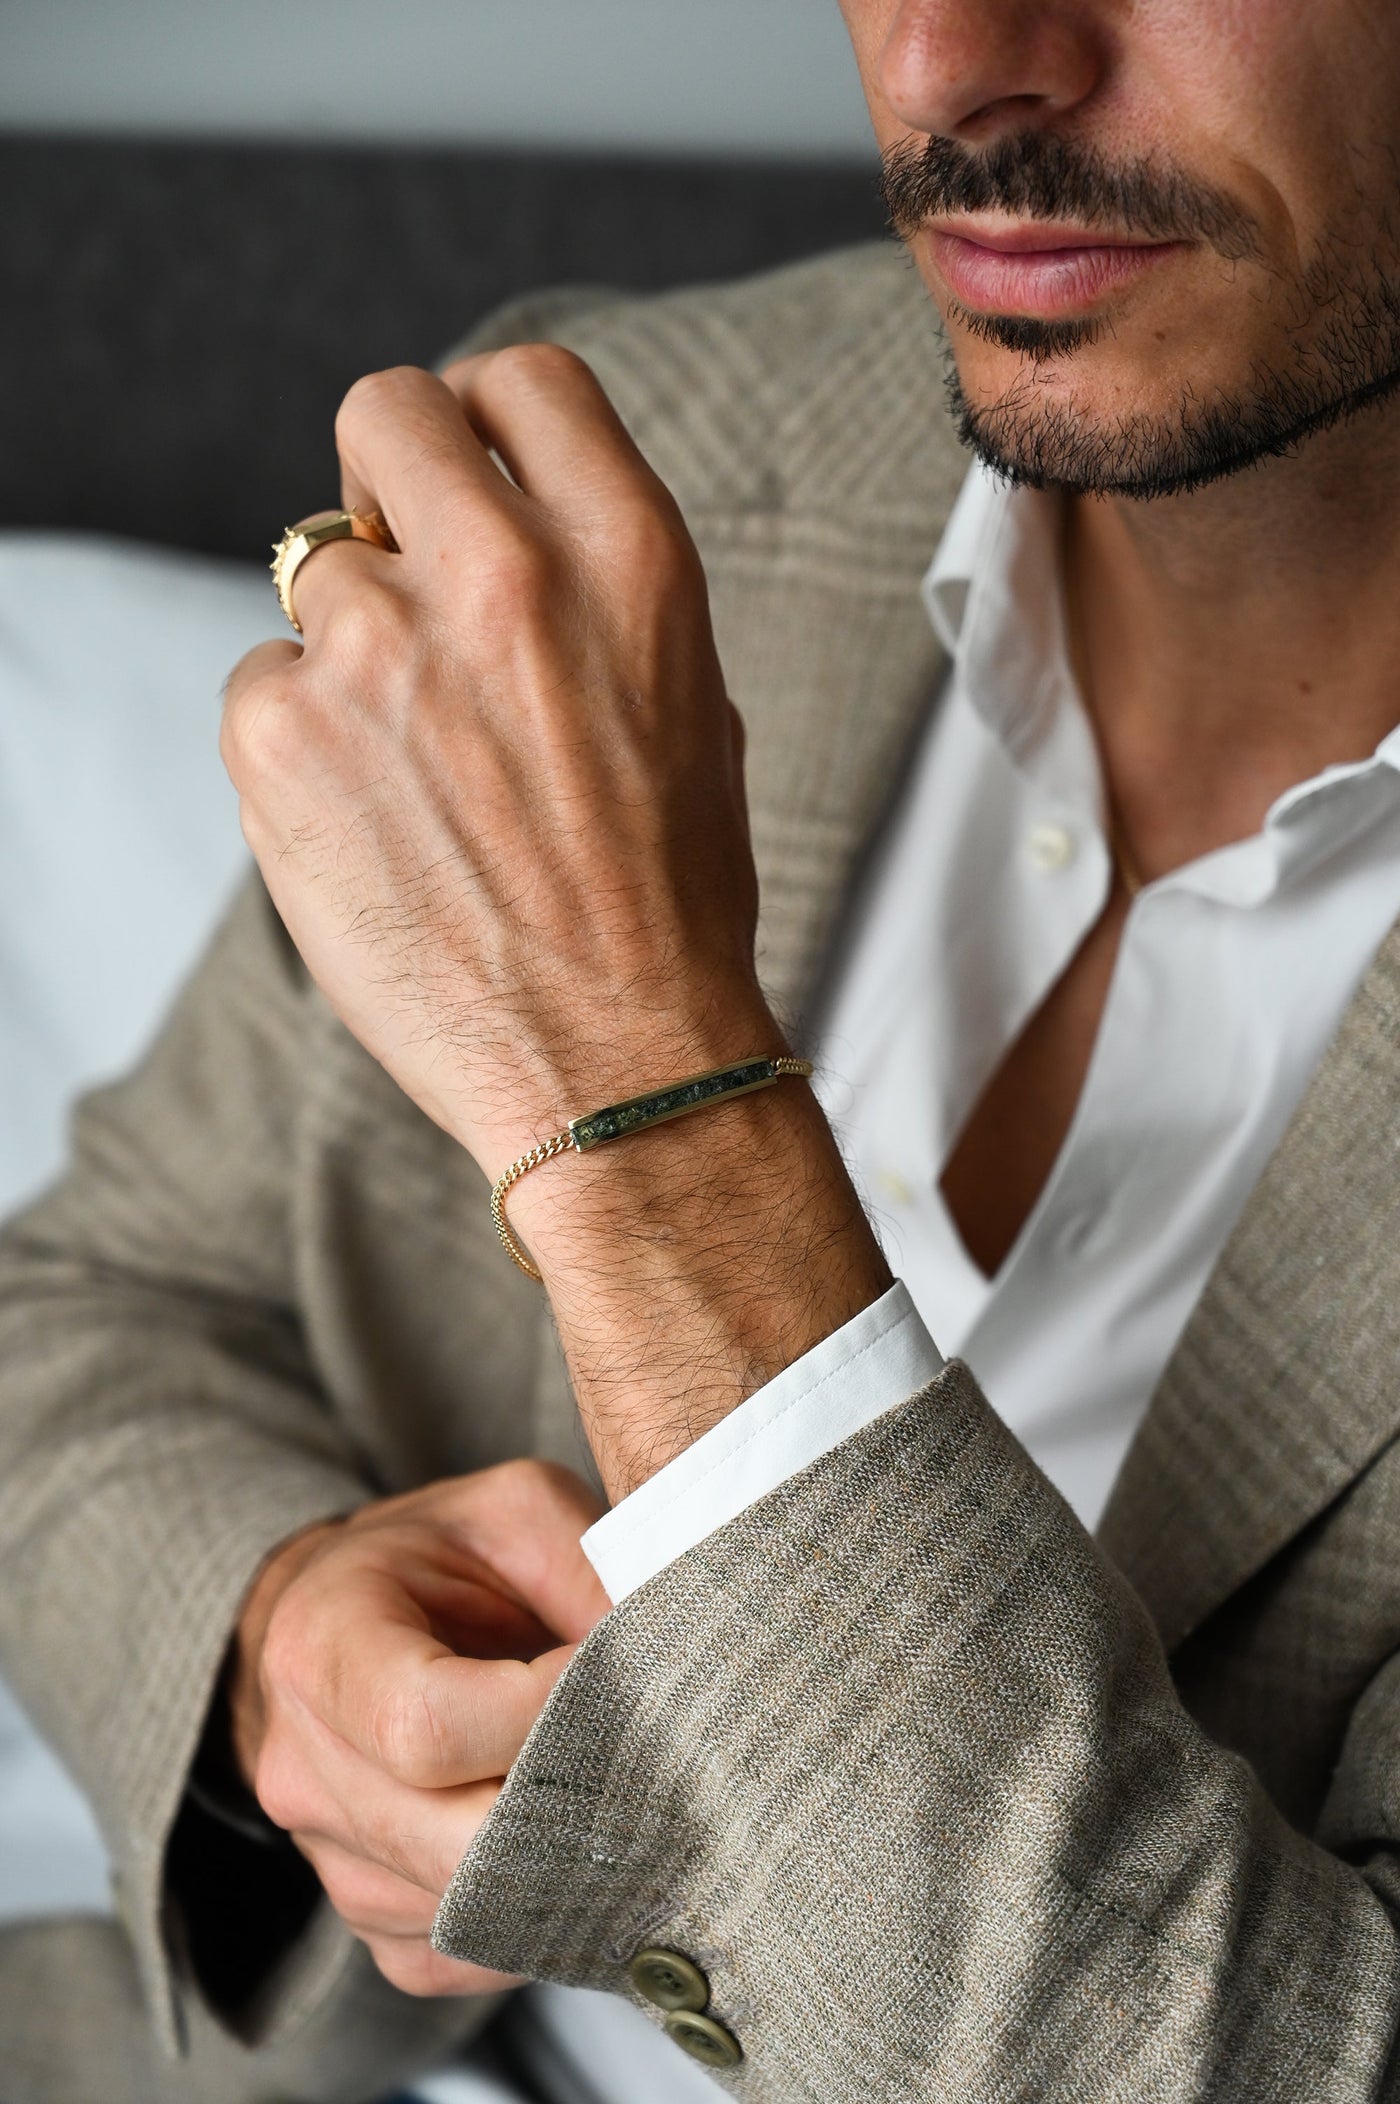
(300, 541)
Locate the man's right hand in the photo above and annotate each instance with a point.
(386, 1671)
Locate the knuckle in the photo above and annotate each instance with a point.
(293, 1673)
(251, 722)
(408, 1738)
(374, 397)
(531, 367)
(527, 1472)
(286, 1650)
(458, 371)
(233, 749)
(371, 624)
(530, 1484)
(276, 1785)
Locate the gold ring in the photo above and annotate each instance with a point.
(300, 541)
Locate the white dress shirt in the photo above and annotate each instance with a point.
(1232, 976)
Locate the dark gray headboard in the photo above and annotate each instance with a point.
(178, 323)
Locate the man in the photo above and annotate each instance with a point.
(883, 1778)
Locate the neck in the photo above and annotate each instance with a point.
(1236, 640)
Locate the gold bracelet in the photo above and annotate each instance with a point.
(635, 1115)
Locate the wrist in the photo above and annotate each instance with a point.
(652, 1170)
(611, 1059)
(690, 1263)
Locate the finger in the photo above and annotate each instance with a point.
(335, 1800)
(470, 1609)
(406, 450)
(378, 1678)
(526, 1518)
(274, 656)
(333, 571)
(544, 411)
(418, 1969)
(369, 1899)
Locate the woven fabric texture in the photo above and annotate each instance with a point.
(950, 1801)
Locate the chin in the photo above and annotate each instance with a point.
(1105, 410)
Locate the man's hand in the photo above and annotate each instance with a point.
(386, 1672)
(498, 801)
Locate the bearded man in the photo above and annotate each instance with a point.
(987, 1688)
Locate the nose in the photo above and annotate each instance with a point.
(971, 69)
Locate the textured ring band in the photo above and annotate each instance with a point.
(300, 541)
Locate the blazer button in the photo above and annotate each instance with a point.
(669, 1980)
(704, 2039)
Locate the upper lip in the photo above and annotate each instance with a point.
(1028, 236)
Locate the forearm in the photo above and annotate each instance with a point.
(690, 1264)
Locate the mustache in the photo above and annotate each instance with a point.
(1051, 177)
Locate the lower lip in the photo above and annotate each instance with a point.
(1040, 283)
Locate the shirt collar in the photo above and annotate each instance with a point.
(962, 554)
(994, 596)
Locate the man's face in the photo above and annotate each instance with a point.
(1164, 234)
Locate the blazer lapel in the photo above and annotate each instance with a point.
(829, 736)
(1286, 1381)
(823, 635)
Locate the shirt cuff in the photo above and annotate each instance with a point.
(879, 1358)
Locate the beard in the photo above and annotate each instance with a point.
(1340, 352)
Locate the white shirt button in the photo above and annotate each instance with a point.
(1050, 848)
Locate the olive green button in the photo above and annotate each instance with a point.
(670, 1980)
(704, 2039)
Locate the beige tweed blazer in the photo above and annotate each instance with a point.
(948, 1800)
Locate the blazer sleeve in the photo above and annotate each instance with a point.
(161, 1428)
(895, 1758)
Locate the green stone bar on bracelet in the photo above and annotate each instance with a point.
(635, 1115)
(659, 1104)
